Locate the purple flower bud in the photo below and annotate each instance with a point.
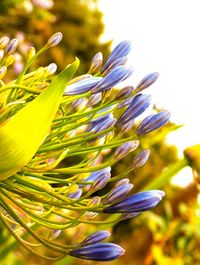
(95, 238)
(117, 193)
(114, 64)
(75, 104)
(125, 102)
(125, 127)
(125, 148)
(75, 195)
(147, 81)
(140, 159)
(125, 92)
(138, 202)
(121, 50)
(153, 122)
(100, 179)
(96, 63)
(11, 47)
(98, 252)
(54, 40)
(122, 182)
(94, 99)
(105, 122)
(118, 74)
(82, 86)
(138, 105)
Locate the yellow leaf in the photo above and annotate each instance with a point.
(22, 135)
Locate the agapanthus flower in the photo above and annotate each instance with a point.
(60, 137)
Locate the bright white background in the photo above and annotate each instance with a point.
(166, 39)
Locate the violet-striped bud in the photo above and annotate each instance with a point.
(122, 182)
(11, 47)
(117, 194)
(76, 194)
(140, 159)
(96, 63)
(114, 64)
(3, 42)
(82, 86)
(125, 103)
(98, 252)
(102, 123)
(95, 237)
(54, 40)
(76, 103)
(118, 74)
(94, 99)
(124, 92)
(138, 105)
(125, 148)
(121, 50)
(137, 202)
(147, 81)
(96, 175)
(153, 122)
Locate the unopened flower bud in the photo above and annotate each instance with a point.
(125, 148)
(30, 53)
(9, 60)
(96, 63)
(137, 202)
(138, 105)
(98, 252)
(118, 193)
(95, 237)
(153, 122)
(11, 47)
(94, 99)
(3, 42)
(51, 69)
(147, 81)
(125, 92)
(3, 71)
(54, 40)
(140, 159)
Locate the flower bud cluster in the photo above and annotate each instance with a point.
(69, 181)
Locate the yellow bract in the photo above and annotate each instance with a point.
(22, 135)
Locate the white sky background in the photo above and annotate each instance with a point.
(166, 39)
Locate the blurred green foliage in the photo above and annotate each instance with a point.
(79, 21)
